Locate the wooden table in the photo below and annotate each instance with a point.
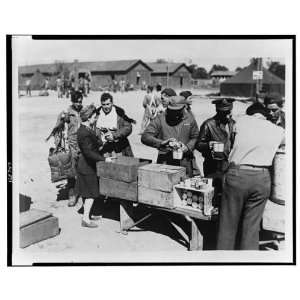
(195, 236)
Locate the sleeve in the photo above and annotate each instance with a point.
(193, 135)
(150, 136)
(145, 101)
(124, 130)
(202, 144)
(87, 149)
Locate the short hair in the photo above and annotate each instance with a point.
(106, 96)
(158, 87)
(75, 96)
(257, 108)
(150, 88)
(273, 98)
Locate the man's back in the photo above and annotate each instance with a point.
(256, 141)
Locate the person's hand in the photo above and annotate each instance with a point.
(184, 148)
(109, 137)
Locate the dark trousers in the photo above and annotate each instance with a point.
(243, 201)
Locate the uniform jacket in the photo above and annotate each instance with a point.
(124, 129)
(158, 130)
(89, 150)
(213, 130)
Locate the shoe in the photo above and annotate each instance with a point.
(88, 224)
(80, 210)
(95, 218)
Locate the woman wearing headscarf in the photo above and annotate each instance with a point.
(90, 154)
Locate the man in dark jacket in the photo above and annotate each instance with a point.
(173, 124)
(219, 128)
(113, 126)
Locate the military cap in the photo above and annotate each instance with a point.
(185, 94)
(169, 92)
(223, 104)
(177, 103)
(87, 112)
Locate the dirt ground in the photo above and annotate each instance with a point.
(36, 117)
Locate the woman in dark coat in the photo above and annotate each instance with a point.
(89, 146)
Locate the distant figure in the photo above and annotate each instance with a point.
(47, 84)
(150, 105)
(28, 87)
(115, 86)
(260, 97)
(59, 87)
(274, 104)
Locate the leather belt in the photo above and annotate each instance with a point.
(252, 167)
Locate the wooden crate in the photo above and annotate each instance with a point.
(160, 177)
(118, 189)
(122, 169)
(206, 194)
(37, 225)
(155, 197)
(24, 203)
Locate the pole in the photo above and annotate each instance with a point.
(167, 73)
(258, 80)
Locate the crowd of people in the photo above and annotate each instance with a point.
(241, 174)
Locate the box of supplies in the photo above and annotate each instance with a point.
(155, 197)
(118, 189)
(122, 168)
(160, 177)
(37, 225)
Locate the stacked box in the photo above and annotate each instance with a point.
(37, 225)
(155, 184)
(118, 179)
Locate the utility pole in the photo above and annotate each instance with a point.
(259, 78)
(167, 73)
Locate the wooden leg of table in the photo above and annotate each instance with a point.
(196, 238)
(126, 216)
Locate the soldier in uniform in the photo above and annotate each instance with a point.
(219, 128)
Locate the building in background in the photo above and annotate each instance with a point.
(175, 75)
(243, 84)
(220, 76)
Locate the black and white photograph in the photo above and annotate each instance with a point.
(152, 149)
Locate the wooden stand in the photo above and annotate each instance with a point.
(195, 237)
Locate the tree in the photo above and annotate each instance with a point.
(161, 61)
(277, 69)
(198, 72)
(217, 68)
(238, 69)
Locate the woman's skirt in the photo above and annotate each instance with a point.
(87, 185)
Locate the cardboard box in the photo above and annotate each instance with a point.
(24, 203)
(155, 197)
(122, 169)
(118, 189)
(37, 225)
(160, 177)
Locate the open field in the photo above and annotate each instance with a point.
(36, 118)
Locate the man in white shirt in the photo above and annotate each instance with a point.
(114, 127)
(247, 182)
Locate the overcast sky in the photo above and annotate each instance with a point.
(205, 53)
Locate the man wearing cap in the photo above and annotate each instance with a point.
(166, 95)
(113, 126)
(173, 125)
(247, 182)
(219, 128)
(274, 104)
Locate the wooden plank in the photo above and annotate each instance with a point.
(126, 216)
(33, 215)
(155, 198)
(122, 169)
(118, 189)
(38, 231)
(196, 238)
(160, 177)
